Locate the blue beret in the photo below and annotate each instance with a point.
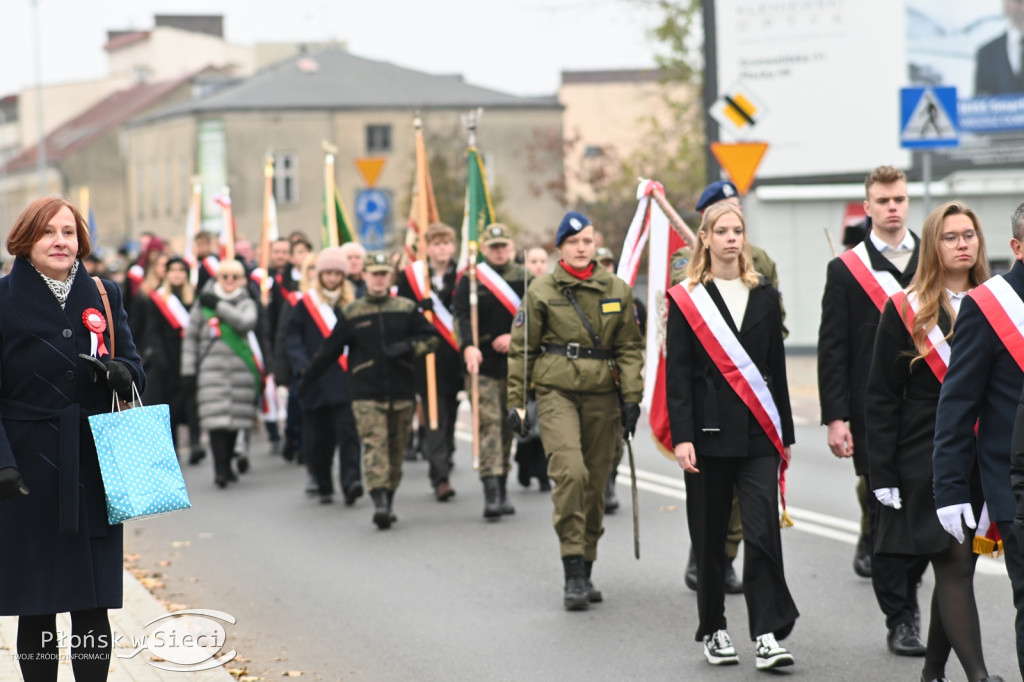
(715, 192)
(572, 223)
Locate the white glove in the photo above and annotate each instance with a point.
(890, 497)
(950, 517)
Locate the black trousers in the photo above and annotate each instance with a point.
(770, 606)
(894, 579)
(222, 443)
(438, 445)
(328, 429)
(1014, 553)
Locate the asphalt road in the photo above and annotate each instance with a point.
(444, 595)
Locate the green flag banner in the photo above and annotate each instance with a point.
(479, 212)
(343, 233)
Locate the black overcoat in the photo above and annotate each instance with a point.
(58, 552)
(846, 342)
(448, 361)
(698, 395)
(302, 338)
(159, 346)
(901, 404)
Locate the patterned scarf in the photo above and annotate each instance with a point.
(60, 289)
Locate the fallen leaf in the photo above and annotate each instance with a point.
(296, 673)
(177, 607)
(669, 508)
(164, 563)
(131, 557)
(205, 536)
(180, 543)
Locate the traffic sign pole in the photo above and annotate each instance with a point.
(926, 179)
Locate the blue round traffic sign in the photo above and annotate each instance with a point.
(372, 206)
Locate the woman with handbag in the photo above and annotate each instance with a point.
(907, 368)
(217, 359)
(728, 406)
(59, 552)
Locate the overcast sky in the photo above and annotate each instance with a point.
(518, 46)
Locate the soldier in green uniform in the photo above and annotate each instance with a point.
(500, 288)
(724, 191)
(580, 326)
(384, 334)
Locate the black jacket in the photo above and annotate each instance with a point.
(302, 338)
(993, 74)
(448, 360)
(846, 341)
(159, 345)
(700, 398)
(493, 319)
(373, 328)
(983, 385)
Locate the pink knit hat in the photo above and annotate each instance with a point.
(331, 258)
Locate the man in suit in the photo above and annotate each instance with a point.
(983, 386)
(846, 338)
(999, 67)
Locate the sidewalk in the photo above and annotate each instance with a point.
(140, 607)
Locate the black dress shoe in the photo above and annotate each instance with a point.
(733, 584)
(903, 640)
(353, 493)
(691, 572)
(196, 456)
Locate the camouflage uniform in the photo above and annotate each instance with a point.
(383, 428)
(578, 408)
(495, 434)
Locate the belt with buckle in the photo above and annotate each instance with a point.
(574, 351)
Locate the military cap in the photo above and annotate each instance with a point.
(715, 192)
(496, 233)
(377, 262)
(572, 223)
(603, 253)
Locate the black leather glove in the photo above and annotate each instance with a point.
(397, 349)
(518, 421)
(209, 300)
(10, 484)
(189, 386)
(426, 305)
(119, 377)
(630, 415)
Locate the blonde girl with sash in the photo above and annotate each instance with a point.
(909, 364)
(728, 404)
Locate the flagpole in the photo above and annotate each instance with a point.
(329, 191)
(192, 229)
(268, 190)
(474, 378)
(422, 202)
(674, 219)
(229, 226)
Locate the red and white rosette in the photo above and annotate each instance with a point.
(96, 324)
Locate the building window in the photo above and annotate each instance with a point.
(378, 139)
(140, 192)
(171, 188)
(593, 151)
(286, 184)
(186, 187)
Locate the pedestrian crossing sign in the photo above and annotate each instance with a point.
(928, 118)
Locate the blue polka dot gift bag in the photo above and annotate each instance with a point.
(138, 462)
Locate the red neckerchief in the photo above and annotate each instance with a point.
(578, 274)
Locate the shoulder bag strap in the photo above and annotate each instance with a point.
(106, 311)
(571, 295)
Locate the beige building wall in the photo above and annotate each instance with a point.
(171, 52)
(609, 111)
(505, 139)
(61, 103)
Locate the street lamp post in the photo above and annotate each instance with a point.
(41, 144)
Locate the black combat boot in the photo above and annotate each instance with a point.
(611, 500)
(576, 595)
(391, 501)
(862, 557)
(492, 497)
(690, 578)
(381, 514)
(593, 594)
(503, 503)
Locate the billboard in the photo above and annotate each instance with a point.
(829, 74)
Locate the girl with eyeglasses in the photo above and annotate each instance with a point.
(910, 358)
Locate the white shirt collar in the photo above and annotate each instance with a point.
(955, 299)
(1013, 38)
(907, 243)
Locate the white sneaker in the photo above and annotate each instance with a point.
(718, 649)
(770, 654)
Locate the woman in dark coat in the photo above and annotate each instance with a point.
(59, 554)
(902, 397)
(166, 314)
(720, 442)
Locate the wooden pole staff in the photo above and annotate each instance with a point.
(474, 324)
(423, 219)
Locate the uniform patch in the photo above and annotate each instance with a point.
(680, 263)
(519, 319)
(610, 306)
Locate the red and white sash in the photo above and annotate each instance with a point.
(173, 310)
(135, 274)
(498, 286)
(938, 353)
(1004, 310)
(211, 263)
(879, 285)
(324, 318)
(735, 364)
(442, 320)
